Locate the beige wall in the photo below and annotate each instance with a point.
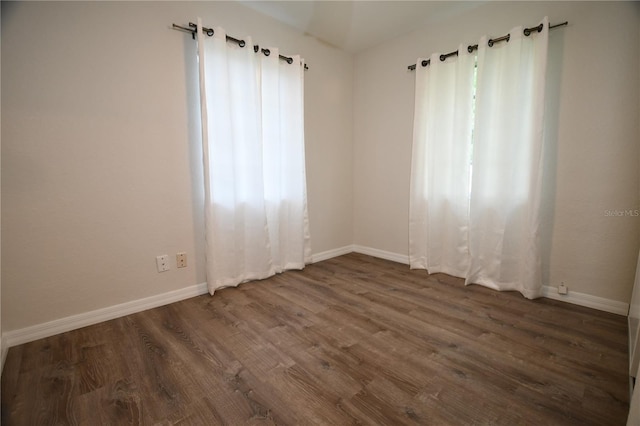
(594, 81)
(101, 163)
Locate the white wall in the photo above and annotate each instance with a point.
(594, 82)
(101, 164)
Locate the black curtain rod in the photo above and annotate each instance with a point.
(491, 42)
(209, 31)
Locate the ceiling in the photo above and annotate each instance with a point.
(354, 26)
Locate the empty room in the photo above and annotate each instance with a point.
(320, 212)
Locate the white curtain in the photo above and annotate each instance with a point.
(256, 217)
(496, 243)
(507, 163)
(440, 173)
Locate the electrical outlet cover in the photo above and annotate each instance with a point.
(181, 260)
(162, 263)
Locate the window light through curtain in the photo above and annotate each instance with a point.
(480, 219)
(256, 217)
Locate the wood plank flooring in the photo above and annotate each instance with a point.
(351, 340)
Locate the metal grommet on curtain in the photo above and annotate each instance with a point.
(424, 62)
(527, 31)
(193, 30)
(493, 41)
(444, 56)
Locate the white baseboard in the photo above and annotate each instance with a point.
(3, 354)
(325, 255)
(382, 254)
(587, 300)
(51, 328)
(581, 299)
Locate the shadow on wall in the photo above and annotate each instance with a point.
(336, 14)
(328, 22)
(192, 101)
(6, 8)
(552, 114)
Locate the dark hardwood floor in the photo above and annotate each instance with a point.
(351, 340)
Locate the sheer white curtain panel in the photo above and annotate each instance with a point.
(477, 164)
(256, 220)
(439, 193)
(508, 163)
